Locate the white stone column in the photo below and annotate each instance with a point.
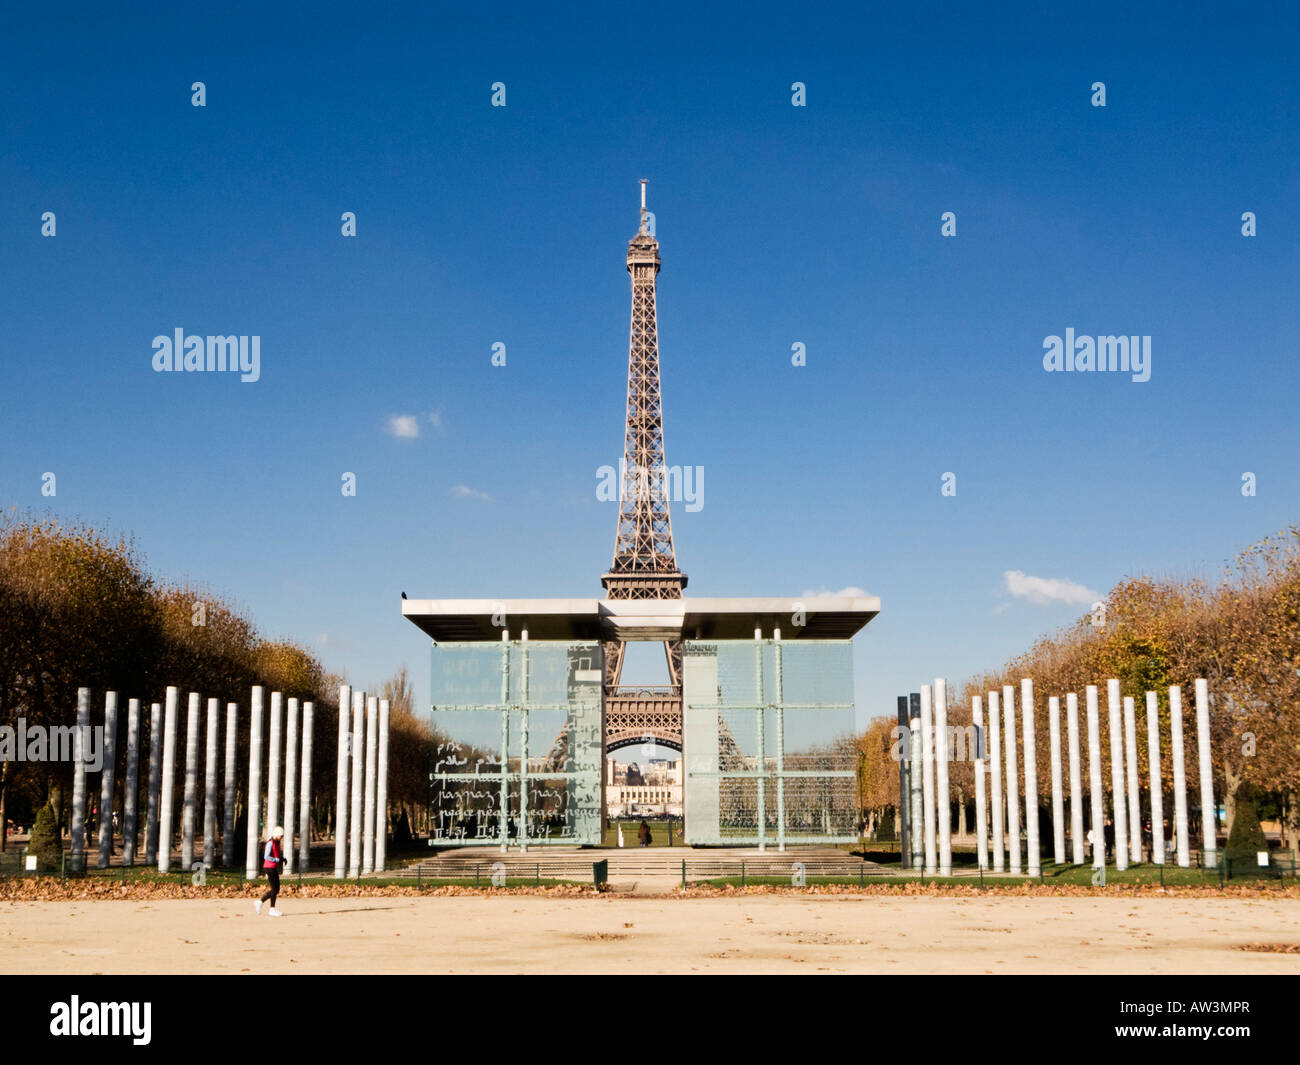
(1210, 843)
(190, 807)
(131, 796)
(358, 778)
(1157, 787)
(942, 792)
(1076, 779)
(275, 748)
(228, 796)
(1035, 852)
(210, 795)
(981, 812)
(995, 782)
(381, 794)
(1131, 765)
(1013, 776)
(1118, 802)
(304, 800)
(155, 785)
(1181, 832)
(915, 782)
(1058, 792)
(927, 779)
(1098, 818)
(290, 784)
(79, 756)
(251, 857)
(341, 794)
(104, 829)
(167, 792)
(372, 767)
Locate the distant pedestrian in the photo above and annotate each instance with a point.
(272, 859)
(643, 834)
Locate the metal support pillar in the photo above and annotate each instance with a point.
(168, 792)
(341, 792)
(1034, 852)
(290, 784)
(1181, 828)
(1118, 802)
(1058, 791)
(995, 782)
(1094, 779)
(131, 797)
(1076, 780)
(104, 829)
(904, 786)
(304, 799)
(981, 811)
(1156, 785)
(253, 797)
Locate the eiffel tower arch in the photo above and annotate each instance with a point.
(645, 563)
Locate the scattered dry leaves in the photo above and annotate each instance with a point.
(50, 889)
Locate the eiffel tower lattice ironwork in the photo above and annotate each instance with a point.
(645, 566)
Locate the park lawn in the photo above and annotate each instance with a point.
(658, 834)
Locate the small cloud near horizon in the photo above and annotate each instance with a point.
(1043, 590)
(462, 491)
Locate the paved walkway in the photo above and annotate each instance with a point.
(620, 933)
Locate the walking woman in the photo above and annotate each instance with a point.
(272, 859)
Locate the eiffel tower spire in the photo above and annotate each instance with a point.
(645, 564)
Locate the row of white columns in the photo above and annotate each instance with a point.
(1125, 796)
(361, 796)
(283, 744)
(160, 811)
(929, 744)
(928, 733)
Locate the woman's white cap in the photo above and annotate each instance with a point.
(277, 832)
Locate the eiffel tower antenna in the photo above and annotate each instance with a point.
(645, 564)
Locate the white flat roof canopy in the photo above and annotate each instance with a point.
(822, 617)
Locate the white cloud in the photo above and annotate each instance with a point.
(1048, 589)
(435, 418)
(462, 491)
(403, 426)
(851, 592)
(334, 642)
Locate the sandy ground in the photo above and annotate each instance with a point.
(761, 933)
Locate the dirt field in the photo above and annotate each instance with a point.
(778, 934)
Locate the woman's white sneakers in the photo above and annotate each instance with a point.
(258, 907)
(275, 912)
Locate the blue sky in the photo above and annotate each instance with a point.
(777, 224)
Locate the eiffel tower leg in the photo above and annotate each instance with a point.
(673, 652)
(613, 663)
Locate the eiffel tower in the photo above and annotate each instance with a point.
(645, 566)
